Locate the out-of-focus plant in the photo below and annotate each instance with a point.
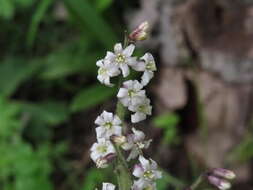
(47, 73)
(35, 63)
(22, 166)
(243, 152)
(9, 7)
(168, 122)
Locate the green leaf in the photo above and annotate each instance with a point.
(61, 64)
(51, 112)
(8, 118)
(166, 120)
(92, 21)
(7, 8)
(243, 152)
(13, 72)
(90, 97)
(41, 9)
(101, 5)
(94, 177)
(24, 3)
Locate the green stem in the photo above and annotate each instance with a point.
(124, 177)
(123, 174)
(197, 183)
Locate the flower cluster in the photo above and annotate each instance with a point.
(120, 60)
(111, 138)
(103, 151)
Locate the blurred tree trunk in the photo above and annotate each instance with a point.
(206, 71)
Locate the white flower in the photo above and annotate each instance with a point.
(141, 110)
(105, 71)
(100, 150)
(147, 173)
(135, 142)
(109, 125)
(131, 93)
(121, 58)
(108, 186)
(148, 66)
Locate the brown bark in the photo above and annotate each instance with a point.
(205, 47)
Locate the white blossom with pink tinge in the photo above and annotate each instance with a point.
(135, 143)
(147, 173)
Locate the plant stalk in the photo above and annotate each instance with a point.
(123, 174)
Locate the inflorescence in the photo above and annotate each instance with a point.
(132, 96)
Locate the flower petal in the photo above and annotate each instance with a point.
(100, 131)
(110, 56)
(99, 63)
(118, 48)
(146, 77)
(138, 65)
(128, 51)
(144, 162)
(138, 170)
(137, 117)
(122, 93)
(116, 120)
(125, 69)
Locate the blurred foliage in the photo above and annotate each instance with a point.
(94, 95)
(47, 72)
(9, 7)
(97, 176)
(168, 122)
(243, 152)
(47, 77)
(168, 180)
(22, 165)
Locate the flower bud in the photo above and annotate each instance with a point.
(119, 140)
(140, 33)
(103, 162)
(219, 183)
(220, 172)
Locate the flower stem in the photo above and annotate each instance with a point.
(123, 175)
(197, 183)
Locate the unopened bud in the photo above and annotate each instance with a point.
(144, 26)
(219, 183)
(220, 172)
(119, 140)
(140, 33)
(103, 162)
